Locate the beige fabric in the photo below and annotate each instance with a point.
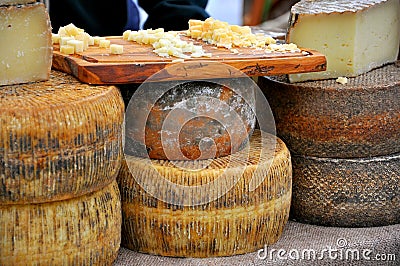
(300, 238)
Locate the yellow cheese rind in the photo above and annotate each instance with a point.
(81, 231)
(239, 221)
(58, 139)
(26, 48)
(355, 36)
(16, 2)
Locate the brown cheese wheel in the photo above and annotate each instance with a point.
(328, 119)
(186, 121)
(359, 192)
(239, 220)
(58, 139)
(81, 231)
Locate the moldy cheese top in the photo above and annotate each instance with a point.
(335, 6)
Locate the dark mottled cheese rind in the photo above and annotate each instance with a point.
(360, 192)
(58, 139)
(328, 119)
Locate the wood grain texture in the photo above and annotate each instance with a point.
(138, 62)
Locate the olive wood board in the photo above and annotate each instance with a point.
(138, 62)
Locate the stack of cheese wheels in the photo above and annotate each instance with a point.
(345, 145)
(201, 208)
(60, 153)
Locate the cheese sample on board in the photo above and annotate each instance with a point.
(355, 36)
(26, 48)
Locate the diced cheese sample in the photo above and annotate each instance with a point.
(26, 44)
(116, 49)
(67, 49)
(77, 44)
(355, 36)
(104, 43)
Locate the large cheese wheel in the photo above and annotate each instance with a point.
(189, 120)
(58, 139)
(328, 119)
(244, 216)
(357, 192)
(79, 231)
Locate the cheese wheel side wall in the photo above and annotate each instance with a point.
(60, 144)
(361, 192)
(327, 119)
(79, 231)
(238, 222)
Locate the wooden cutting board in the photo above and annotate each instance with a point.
(137, 63)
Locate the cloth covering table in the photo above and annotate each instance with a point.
(331, 246)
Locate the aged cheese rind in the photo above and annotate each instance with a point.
(362, 192)
(58, 139)
(26, 48)
(355, 36)
(81, 231)
(240, 221)
(16, 2)
(327, 119)
(228, 129)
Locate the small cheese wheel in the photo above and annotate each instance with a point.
(223, 220)
(328, 119)
(190, 121)
(58, 139)
(358, 192)
(79, 231)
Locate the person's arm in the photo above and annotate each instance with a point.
(172, 14)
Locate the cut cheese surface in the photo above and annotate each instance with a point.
(81, 231)
(362, 192)
(26, 44)
(224, 218)
(58, 139)
(355, 36)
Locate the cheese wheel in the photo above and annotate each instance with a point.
(58, 139)
(190, 120)
(359, 192)
(79, 231)
(218, 220)
(328, 119)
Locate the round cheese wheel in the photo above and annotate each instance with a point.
(358, 192)
(81, 231)
(189, 120)
(58, 139)
(217, 207)
(328, 119)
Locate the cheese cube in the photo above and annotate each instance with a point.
(26, 48)
(77, 44)
(104, 43)
(356, 36)
(116, 49)
(67, 49)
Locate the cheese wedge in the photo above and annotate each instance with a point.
(355, 36)
(26, 44)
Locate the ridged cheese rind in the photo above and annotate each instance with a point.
(334, 6)
(358, 192)
(238, 221)
(81, 231)
(327, 119)
(58, 139)
(16, 2)
(26, 49)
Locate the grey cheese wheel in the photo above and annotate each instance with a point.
(359, 192)
(58, 139)
(239, 220)
(80, 231)
(328, 119)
